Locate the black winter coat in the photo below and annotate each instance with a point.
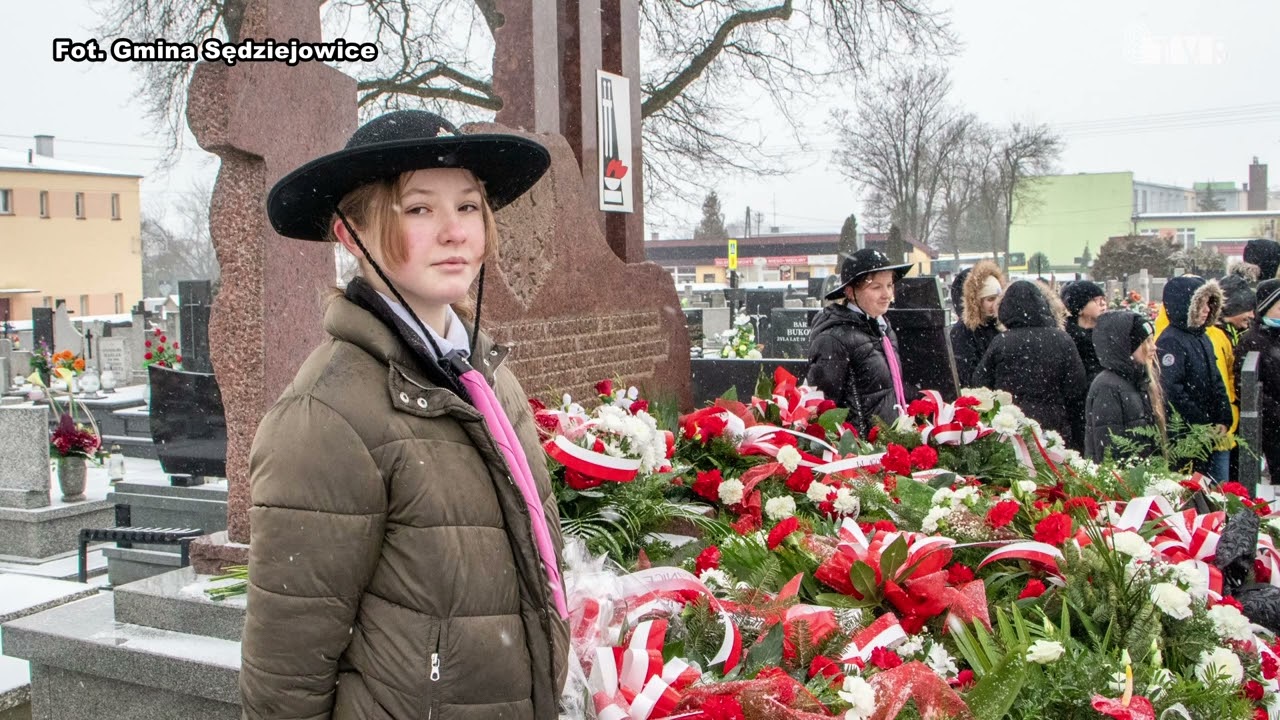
(1035, 361)
(1119, 399)
(847, 363)
(1266, 341)
(1083, 338)
(1188, 366)
(969, 346)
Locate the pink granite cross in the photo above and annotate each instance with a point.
(263, 119)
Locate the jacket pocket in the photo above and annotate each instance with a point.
(435, 666)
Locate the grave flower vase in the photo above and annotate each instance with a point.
(71, 472)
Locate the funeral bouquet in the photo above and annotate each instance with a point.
(1133, 302)
(740, 340)
(159, 351)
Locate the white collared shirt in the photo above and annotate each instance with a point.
(455, 338)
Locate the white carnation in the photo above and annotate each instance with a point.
(1054, 440)
(1172, 600)
(1005, 422)
(1045, 651)
(780, 508)
(964, 495)
(1026, 487)
(942, 496)
(731, 492)
(754, 354)
(1005, 399)
(930, 522)
(789, 457)
(818, 492)
(1164, 487)
(1230, 624)
(912, 646)
(1221, 665)
(904, 424)
(846, 502)
(986, 399)
(940, 661)
(1132, 544)
(715, 578)
(860, 695)
(1193, 577)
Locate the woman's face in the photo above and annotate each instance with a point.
(442, 223)
(1273, 311)
(1145, 351)
(874, 293)
(990, 305)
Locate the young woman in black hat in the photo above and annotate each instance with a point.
(853, 354)
(405, 546)
(1126, 394)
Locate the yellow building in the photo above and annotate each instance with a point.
(68, 232)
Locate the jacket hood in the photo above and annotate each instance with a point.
(839, 314)
(971, 313)
(957, 291)
(1114, 340)
(1024, 305)
(1186, 295)
(1264, 253)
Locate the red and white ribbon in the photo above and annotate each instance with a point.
(757, 437)
(1040, 553)
(850, 463)
(885, 632)
(591, 463)
(943, 429)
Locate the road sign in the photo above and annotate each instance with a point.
(733, 254)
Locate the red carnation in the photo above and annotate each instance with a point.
(1054, 529)
(147, 343)
(1003, 513)
(164, 339)
(924, 458)
(959, 574)
(175, 346)
(782, 530)
(800, 480)
(1261, 572)
(146, 356)
(1270, 666)
(968, 417)
(746, 524)
(1228, 600)
(1034, 589)
(639, 405)
(177, 358)
(1260, 713)
(825, 405)
(964, 679)
(157, 331)
(896, 460)
(1089, 504)
(1253, 690)
(885, 659)
(871, 435)
(1235, 488)
(708, 559)
(923, 406)
(827, 668)
(605, 387)
(707, 485)
(885, 526)
(967, 401)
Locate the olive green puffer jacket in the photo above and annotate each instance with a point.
(393, 572)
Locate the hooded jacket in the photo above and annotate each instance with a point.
(1193, 386)
(393, 573)
(972, 334)
(847, 363)
(1119, 399)
(1035, 361)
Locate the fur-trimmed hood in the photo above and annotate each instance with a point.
(971, 314)
(1186, 296)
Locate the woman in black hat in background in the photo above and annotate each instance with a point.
(853, 354)
(404, 561)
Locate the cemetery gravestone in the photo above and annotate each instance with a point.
(920, 322)
(196, 298)
(789, 333)
(693, 324)
(65, 335)
(113, 355)
(24, 457)
(42, 329)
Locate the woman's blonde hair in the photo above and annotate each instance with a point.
(374, 209)
(1154, 390)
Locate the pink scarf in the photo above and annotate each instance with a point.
(505, 435)
(895, 370)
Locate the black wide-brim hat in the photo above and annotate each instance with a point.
(302, 203)
(865, 262)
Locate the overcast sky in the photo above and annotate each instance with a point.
(1178, 92)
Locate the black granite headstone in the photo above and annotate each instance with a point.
(42, 328)
(1250, 429)
(815, 287)
(924, 343)
(693, 323)
(789, 333)
(188, 424)
(196, 298)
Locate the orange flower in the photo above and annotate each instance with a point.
(78, 364)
